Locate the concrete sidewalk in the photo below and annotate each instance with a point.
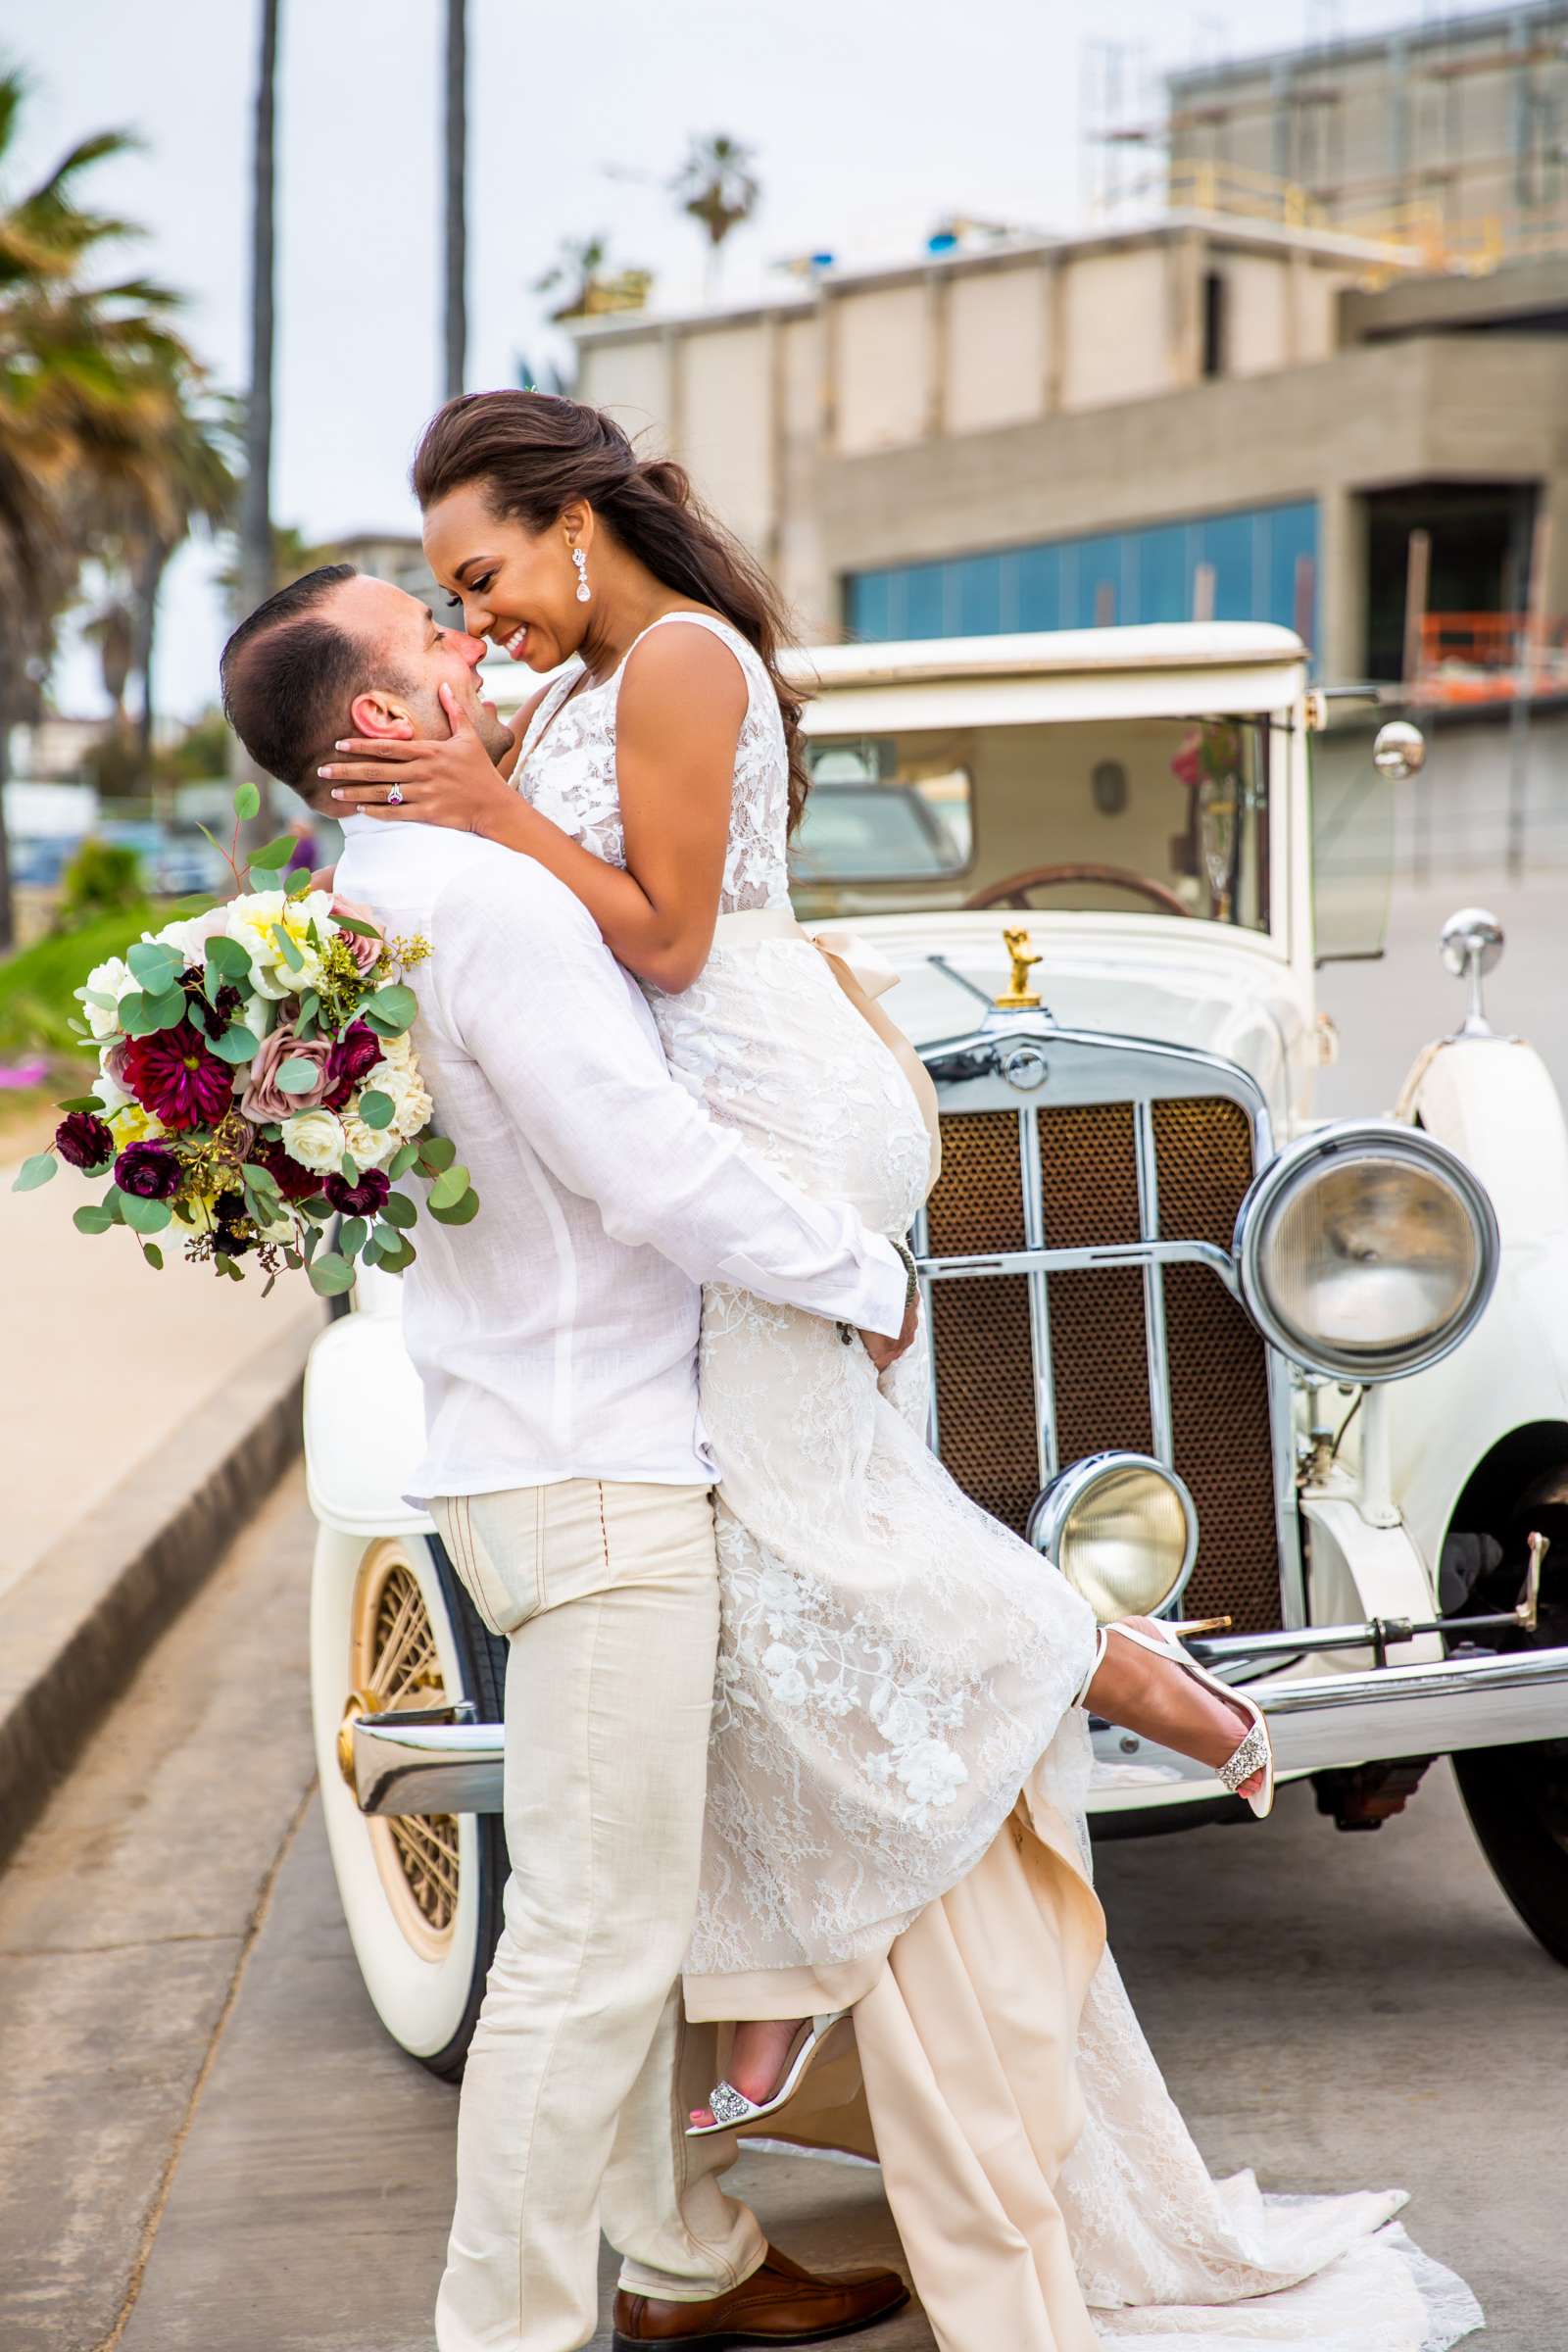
(104, 1360)
(147, 1414)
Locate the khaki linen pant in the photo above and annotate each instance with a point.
(582, 2069)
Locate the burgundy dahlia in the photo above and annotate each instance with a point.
(148, 1170)
(85, 1140)
(175, 1077)
(364, 1198)
(357, 1052)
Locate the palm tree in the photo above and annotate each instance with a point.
(90, 386)
(457, 219)
(256, 498)
(717, 188)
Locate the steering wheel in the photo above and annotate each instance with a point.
(1013, 889)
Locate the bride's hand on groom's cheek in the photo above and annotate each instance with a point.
(452, 782)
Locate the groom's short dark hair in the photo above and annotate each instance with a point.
(289, 674)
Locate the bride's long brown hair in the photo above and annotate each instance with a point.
(533, 453)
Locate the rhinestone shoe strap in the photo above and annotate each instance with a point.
(1250, 1757)
(727, 2105)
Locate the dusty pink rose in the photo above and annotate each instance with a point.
(366, 953)
(264, 1098)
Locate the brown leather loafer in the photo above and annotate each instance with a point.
(778, 2304)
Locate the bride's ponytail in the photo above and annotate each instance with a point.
(536, 452)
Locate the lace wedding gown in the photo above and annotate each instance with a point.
(896, 1682)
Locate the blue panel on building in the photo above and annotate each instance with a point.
(1263, 560)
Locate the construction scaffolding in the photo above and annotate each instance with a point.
(1447, 138)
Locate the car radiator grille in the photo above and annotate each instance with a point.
(981, 1327)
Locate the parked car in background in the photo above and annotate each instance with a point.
(1305, 1383)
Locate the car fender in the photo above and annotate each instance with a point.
(364, 1427)
(1492, 1101)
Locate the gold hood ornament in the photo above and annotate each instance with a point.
(1019, 996)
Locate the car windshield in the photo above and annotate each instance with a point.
(1165, 817)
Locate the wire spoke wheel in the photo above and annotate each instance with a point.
(395, 1666)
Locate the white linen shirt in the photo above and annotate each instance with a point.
(554, 1335)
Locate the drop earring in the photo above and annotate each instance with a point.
(584, 592)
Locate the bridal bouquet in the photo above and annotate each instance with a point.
(255, 1082)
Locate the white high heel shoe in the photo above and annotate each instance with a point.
(1255, 1751)
(731, 2108)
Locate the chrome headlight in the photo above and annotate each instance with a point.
(1366, 1251)
(1122, 1530)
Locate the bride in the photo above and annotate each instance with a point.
(900, 1740)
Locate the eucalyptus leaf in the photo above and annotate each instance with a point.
(377, 1109)
(398, 1210)
(348, 1169)
(196, 1013)
(169, 1009)
(462, 1213)
(96, 996)
(35, 1171)
(310, 1006)
(155, 966)
(229, 958)
(401, 1161)
(247, 802)
(330, 1275)
(236, 1044)
(394, 1005)
(90, 1218)
(352, 1238)
(278, 852)
(143, 1216)
(154, 1255)
(352, 922)
(436, 1152)
(449, 1186)
(395, 1259)
(260, 1179)
(298, 1075)
(82, 1102)
(288, 948)
(298, 882)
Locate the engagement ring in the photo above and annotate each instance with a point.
(395, 796)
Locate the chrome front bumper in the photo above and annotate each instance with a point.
(417, 1766)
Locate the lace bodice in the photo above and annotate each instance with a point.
(567, 771)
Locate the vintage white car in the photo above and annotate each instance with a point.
(1307, 1381)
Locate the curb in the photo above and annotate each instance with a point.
(83, 1618)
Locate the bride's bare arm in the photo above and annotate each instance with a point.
(681, 705)
(678, 719)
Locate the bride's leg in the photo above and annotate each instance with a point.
(1153, 1698)
(757, 2061)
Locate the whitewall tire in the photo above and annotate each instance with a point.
(421, 1899)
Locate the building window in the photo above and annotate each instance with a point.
(1257, 564)
(1213, 322)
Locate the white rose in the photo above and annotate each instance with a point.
(396, 1080)
(191, 935)
(399, 1052)
(255, 919)
(368, 1146)
(114, 979)
(314, 1138)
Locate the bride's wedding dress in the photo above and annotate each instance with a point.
(898, 1767)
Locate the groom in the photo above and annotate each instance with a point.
(570, 1480)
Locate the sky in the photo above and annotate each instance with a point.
(871, 120)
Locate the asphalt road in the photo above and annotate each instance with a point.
(207, 2142)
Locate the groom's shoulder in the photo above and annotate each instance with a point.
(506, 882)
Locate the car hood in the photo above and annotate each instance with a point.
(1246, 1008)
